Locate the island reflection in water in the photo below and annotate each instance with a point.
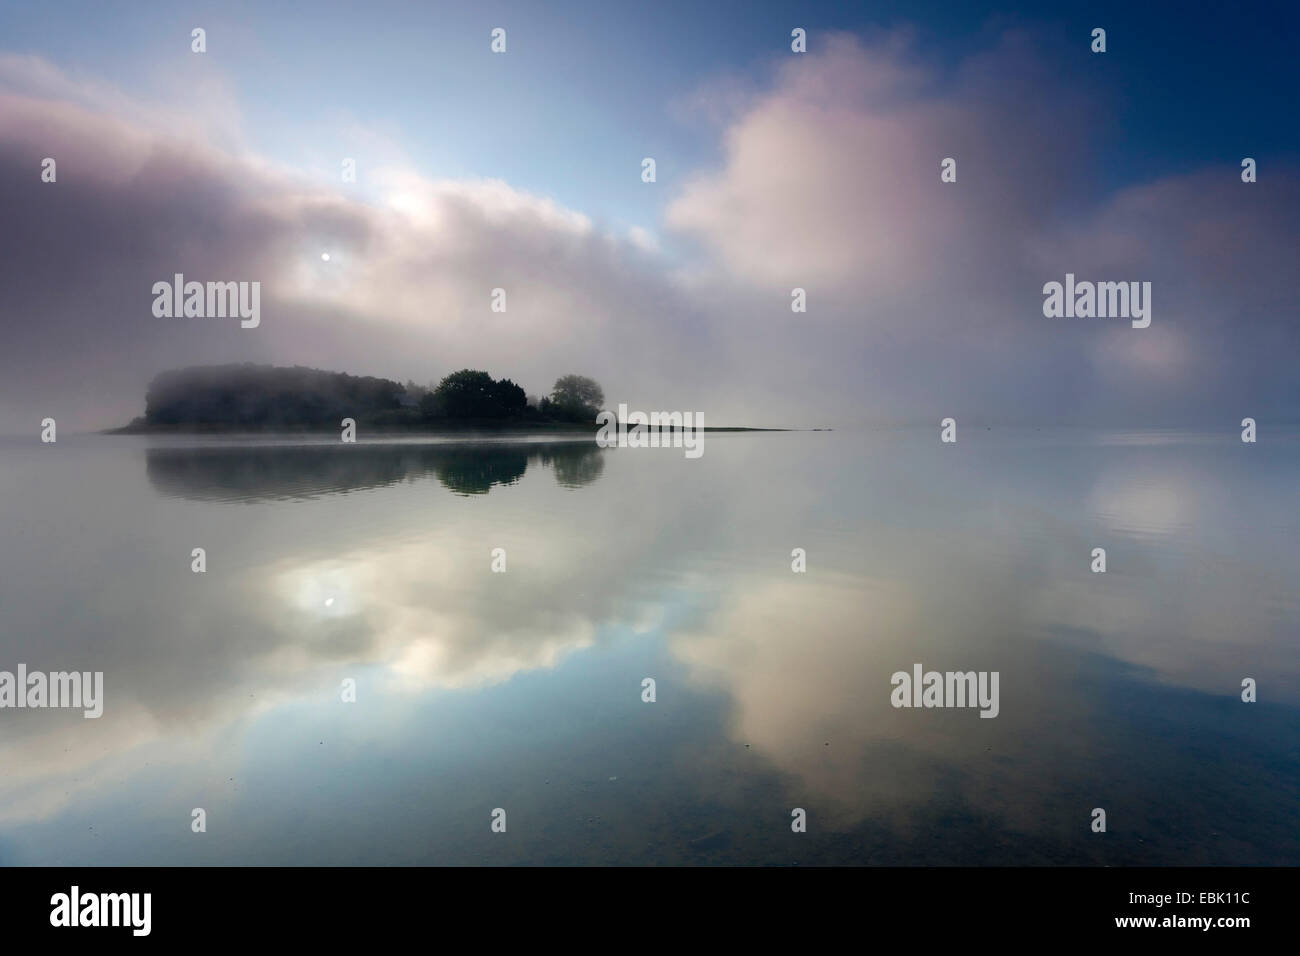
(523, 689)
(260, 472)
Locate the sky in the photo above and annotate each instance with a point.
(775, 170)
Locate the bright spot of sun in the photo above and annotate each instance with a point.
(325, 257)
(322, 592)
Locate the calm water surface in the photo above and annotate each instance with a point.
(522, 690)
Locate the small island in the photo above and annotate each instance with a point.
(246, 397)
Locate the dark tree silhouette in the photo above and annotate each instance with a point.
(470, 395)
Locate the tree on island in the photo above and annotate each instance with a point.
(575, 398)
(473, 395)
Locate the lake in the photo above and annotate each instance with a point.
(371, 566)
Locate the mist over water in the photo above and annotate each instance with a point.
(522, 690)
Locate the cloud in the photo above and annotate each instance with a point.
(924, 298)
(830, 182)
(832, 177)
